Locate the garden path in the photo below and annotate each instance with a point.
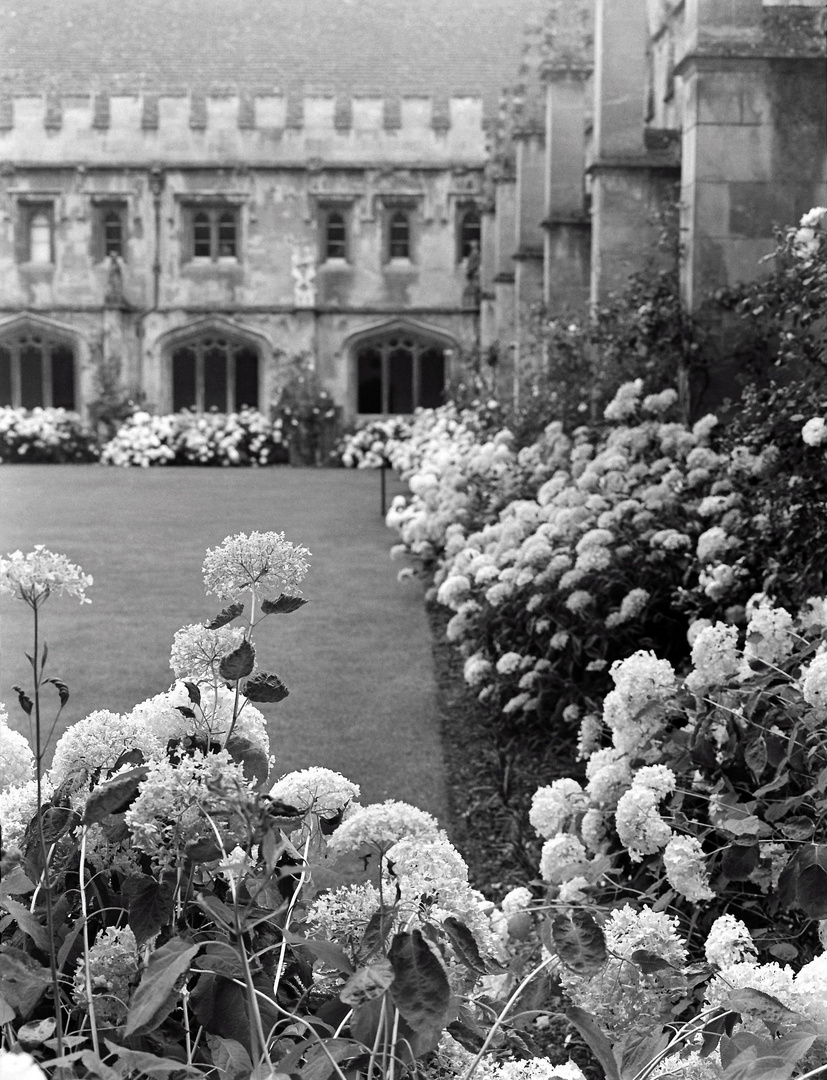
(357, 658)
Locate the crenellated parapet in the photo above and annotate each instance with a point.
(224, 127)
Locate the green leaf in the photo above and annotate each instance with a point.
(465, 945)
(15, 883)
(220, 914)
(639, 1048)
(22, 980)
(62, 690)
(238, 663)
(797, 828)
(155, 998)
(420, 988)
(144, 1064)
(252, 758)
(367, 983)
(265, 687)
(649, 962)
(193, 692)
(28, 923)
(114, 796)
(26, 703)
(747, 1000)
(331, 954)
(783, 951)
(149, 903)
(739, 861)
(36, 1032)
(579, 941)
(755, 755)
(320, 1061)
(282, 605)
(595, 1040)
(221, 959)
(6, 1011)
(225, 616)
(230, 1058)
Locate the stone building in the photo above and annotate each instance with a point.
(198, 192)
(631, 110)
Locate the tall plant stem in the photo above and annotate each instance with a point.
(87, 974)
(41, 836)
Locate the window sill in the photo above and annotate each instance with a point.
(400, 264)
(335, 264)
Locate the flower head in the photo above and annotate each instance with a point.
(114, 972)
(94, 744)
(729, 942)
(197, 651)
(264, 563)
(16, 757)
(382, 825)
(319, 790)
(685, 871)
(552, 806)
(36, 576)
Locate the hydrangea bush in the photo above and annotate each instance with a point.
(172, 906)
(187, 438)
(367, 446)
(44, 436)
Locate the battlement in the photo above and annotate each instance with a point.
(227, 125)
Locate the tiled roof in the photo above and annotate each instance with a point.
(432, 47)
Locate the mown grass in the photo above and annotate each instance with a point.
(357, 658)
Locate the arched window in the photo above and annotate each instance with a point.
(470, 233)
(335, 236)
(36, 370)
(214, 372)
(399, 235)
(227, 235)
(399, 372)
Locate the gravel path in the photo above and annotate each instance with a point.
(357, 658)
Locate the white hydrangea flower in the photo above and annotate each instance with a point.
(814, 432)
(553, 806)
(382, 825)
(322, 791)
(769, 634)
(95, 743)
(516, 900)
(683, 860)
(264, 563)
(539, 1068)
(477, 669)
(16, 757)
(729, 942)
(197, 651)
(628, 929)
(713, 545)
(594, 830)
(561, 858)
(36, 576)
(509, 663)
(17, 1065)
(640, 827)
(810, 986)
(814, 681)
(18, 805)
(715, 656)
(609, 775)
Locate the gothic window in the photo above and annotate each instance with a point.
(109, 230)
(35, 237)
(36, 370)
(469, 233)
(211, 232)
(214, 372)
(399, 372)
(399, 235)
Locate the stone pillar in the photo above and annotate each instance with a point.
(567, 242)
(631, 183)
(505, 195)
(528, 236)
(488, 272)
(754, 154)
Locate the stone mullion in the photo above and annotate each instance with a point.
(16, 376)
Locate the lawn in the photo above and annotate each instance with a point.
(357, 658)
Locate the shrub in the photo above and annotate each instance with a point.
(44, 436)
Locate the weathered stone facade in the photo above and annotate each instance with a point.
(717, 110)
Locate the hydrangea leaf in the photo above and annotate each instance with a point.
(265, 687)
(250, 756)
(579, 941)
(739, 861)
(114, 796)
(595, 1039)
(238, 663)
(230, 1058)
(465, 945)
(420, 989)
(282, 605)
(62, 690)
(225, 616)
(154, 998)
(149, 904)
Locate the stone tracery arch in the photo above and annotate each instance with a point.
(39, 363)
(398, 366)
(213, 364)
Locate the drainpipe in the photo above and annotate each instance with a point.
(156, 186)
